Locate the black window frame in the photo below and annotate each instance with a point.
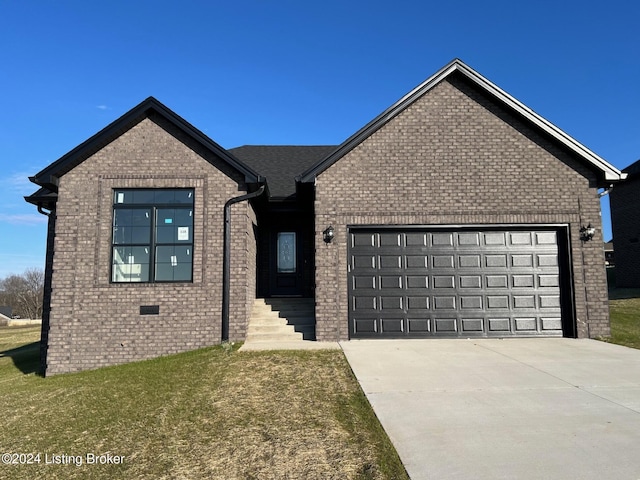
(153, 201)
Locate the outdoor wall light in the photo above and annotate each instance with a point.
(587, 233)
(328, 234)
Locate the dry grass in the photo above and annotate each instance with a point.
(211, 413)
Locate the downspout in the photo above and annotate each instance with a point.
(41, 210)
(226, 260)
(605, 191)
(46, 300)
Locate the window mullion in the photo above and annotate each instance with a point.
(152, 246)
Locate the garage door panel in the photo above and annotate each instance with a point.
(363, 261)
(443, 281)
(390, 303)
(549, 301)
(417, 281)
(392, 281)
(451, 283)
(524, 301)
(551, 323)
(497, 302)
(499, 325)
(523, 281)
(416, 261)
(390, 240)
(416, 239)
(522, 260)
(441, 302)
(547, 260)
(362, 302)
(497, 281)
(442, 239)
(470, 261)
(470, 281)
(419, 326)
(442, 261)
(417, 303)
(494, 239)
(525, 324)
(472, 325)
(446, 325)
(392, 325)
(390, 261)
(546, 238)
(363, 239)
(495, 261)
(365, 325)
(520, 238)
(471, 302)
(468, 239)
(364, 282)
(549, 280)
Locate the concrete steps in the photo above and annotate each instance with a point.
(275, 320)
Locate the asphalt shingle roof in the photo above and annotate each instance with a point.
(280, 164)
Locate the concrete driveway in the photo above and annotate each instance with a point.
(505, 409)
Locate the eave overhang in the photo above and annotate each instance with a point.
(608, 172)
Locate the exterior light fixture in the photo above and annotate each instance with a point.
(587, 233)
(328, 234)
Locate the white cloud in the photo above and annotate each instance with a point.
(23, 218)
(102, 107)
(19, 181)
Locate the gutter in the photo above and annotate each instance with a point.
(226, 260)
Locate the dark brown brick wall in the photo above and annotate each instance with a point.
(93, 323)
(625, 222)
(455, 158)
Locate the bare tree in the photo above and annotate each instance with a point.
(23, 293)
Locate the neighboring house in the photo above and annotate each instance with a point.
(625, 223)
(5, 315)
(609, 257)
(6, 311)
(455, 213)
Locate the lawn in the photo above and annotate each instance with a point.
(211, 413)
(624, 309)
(625, 322)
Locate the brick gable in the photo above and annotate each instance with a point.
(95, 323)
(455, 158)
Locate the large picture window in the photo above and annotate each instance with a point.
(152, 239)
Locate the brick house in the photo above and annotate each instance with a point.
(457, 212)
(625, 223)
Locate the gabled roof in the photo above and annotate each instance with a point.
(49, 176)
(608, 171)
(280, 164)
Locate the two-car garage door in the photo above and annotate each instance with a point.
(421, 282)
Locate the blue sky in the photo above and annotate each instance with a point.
(293, 72)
